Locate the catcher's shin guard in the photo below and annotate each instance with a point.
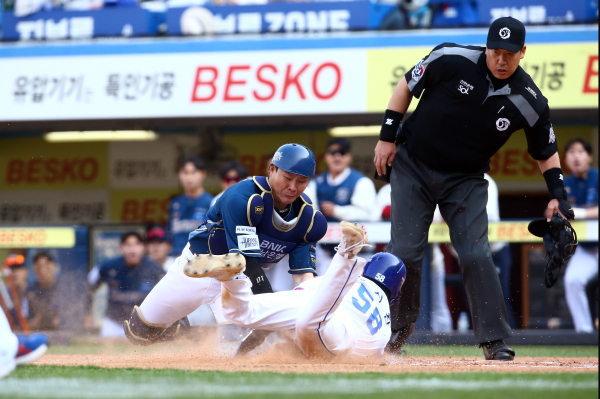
(141, 332)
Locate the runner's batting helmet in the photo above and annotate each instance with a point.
(387, 271)
(295, 158)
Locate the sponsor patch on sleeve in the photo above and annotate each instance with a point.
(418, 71)
(248, 242)
(245, 230)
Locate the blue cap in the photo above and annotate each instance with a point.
(295, 158)
(388, 271)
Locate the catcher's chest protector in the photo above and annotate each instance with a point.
(277, 237)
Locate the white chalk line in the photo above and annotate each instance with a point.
(167, 387)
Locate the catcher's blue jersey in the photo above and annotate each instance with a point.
(243, 220)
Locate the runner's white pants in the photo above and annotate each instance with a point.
(583, 266)
(311, 309)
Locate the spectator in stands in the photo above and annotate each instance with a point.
(408, 14)
(159, 247)
(130, 278)
(384, 201)
(19, 275)
(231, 173)
(187, 211)
(341, 193)
(43, 295)
(582, 193)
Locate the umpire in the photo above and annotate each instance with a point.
(472, 99)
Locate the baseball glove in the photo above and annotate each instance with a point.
(560, 242)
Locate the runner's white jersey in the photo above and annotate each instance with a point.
(369, 310)
(365, 312)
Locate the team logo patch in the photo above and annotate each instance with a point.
(418, 71)
(259, 210)
(278, 155)
(504, 33)
(247, 242)
(464, 87)
(502, 124)
(552, 137)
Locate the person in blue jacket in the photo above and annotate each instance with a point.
(189, 209)
(130, 277)
(582, 194)
(262, 219)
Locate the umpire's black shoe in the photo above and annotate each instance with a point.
(497, 350)
(399, 337)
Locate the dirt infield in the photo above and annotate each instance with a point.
(283, 360)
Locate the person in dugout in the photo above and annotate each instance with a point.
(262, 219)
(582, 193)
(188, 210)
(130, 277)
(341, 193)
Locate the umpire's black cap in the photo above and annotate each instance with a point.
(506, 33)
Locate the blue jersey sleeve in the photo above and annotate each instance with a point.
(303, 259)
(168, 229)
(103, 271)
(241, 235)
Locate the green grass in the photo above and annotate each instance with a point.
(93, 382)
(412, 350)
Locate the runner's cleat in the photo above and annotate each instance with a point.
(220, 267)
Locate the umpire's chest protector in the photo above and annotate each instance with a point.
(279, 237)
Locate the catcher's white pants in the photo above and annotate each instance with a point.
(312, 309)
(177, 295)
(583, 266)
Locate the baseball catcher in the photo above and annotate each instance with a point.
(255, 222)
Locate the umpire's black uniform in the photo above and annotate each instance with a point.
(463, 118)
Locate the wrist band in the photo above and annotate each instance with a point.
(555, 184)
(580, 213)
(389, 127)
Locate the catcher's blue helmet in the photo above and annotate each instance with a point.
(388, 271)
(295, 158)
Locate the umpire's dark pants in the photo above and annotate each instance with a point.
(462, 199)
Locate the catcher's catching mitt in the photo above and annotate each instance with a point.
(560, 242)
